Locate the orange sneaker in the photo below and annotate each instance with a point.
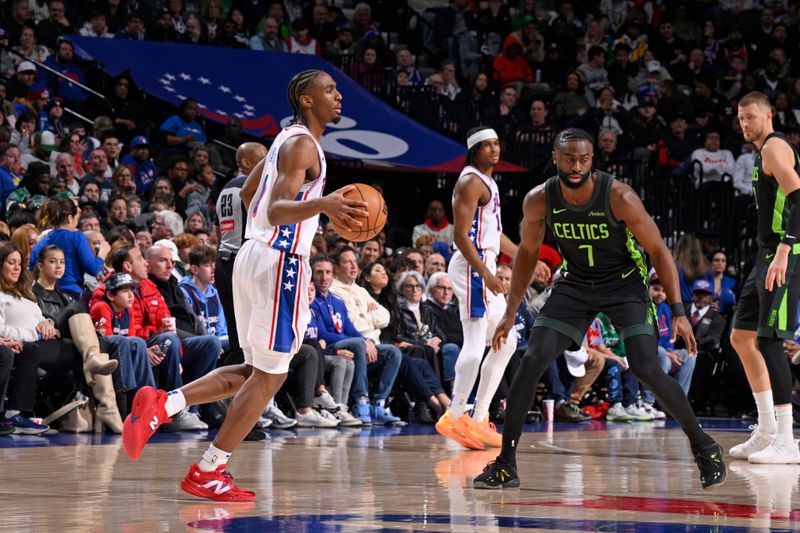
(485, 431)
(453, 428)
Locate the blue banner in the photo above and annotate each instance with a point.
(251, 85)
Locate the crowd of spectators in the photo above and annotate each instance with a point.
(109, 208)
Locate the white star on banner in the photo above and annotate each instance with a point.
(165, 81)
(201, 106)
(238, 115)
(240, 98)
(249, 114)
(204, 80)
(283, 242)
(169, 76)
(288, 286)
(224, 89)
(185, 76)
(292, 260)
(290, 273)
(249, 107)
(475, 275)
(286, 232)
(180, 97)
(221, 112)
(170, 89)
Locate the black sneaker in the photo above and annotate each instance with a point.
(497, 475)
(712, 467)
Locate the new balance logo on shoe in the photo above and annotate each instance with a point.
(220, 487)
(154, 423)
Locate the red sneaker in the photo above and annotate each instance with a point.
(146, 415)
(216, 485)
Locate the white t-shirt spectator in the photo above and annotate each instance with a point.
(743, 173)
(715, 164)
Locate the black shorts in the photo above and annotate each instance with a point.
(769, 313)
(572, 306)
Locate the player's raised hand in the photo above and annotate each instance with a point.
(342, 210)
(494, 284)
(501, 332)
(681, 328)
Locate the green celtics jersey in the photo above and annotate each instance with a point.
(595, 247)
(771, 202)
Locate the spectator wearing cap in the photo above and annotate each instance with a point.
(708, 326)
(120, 328)
(9, 171)
(675, 146)
(711, 164)
(269, 39)
(55, 26)
(22, 82)
(144, 171)
(645, 127)
(33, 188)
(55, 115)
(43, 150)
(62, 62)
(674, 362)
(344, 44)
(96, 26)
(635, 38)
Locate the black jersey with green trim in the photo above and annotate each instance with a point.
(770, 200)
(595, 247)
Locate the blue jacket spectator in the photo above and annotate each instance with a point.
(9, 179)
(523, 322)
(664, 316)
(335, 324)
(206, 305)
(79, 257)
(183, 129)
(725, 294)
(144, 171)
(62, 62)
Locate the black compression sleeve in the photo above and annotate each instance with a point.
(792, 235)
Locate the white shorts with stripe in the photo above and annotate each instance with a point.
(474, 299)
(270, 302)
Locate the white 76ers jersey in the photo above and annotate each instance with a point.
(486, 225)
(291, 238)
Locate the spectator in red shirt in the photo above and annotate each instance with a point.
(510, 67)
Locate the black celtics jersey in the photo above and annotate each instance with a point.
(771, 202)
(594, 246)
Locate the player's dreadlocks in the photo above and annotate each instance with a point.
(297, 86)
(572, 134)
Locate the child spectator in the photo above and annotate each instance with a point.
(201, 293)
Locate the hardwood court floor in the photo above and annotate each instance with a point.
(615, 477)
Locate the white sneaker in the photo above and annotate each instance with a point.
(781, 451)
(617, 413)
(638, 413)
(345, 418)
(651, 409)
(757, 442)
(315, 419)
(279, 420)
(185, 420)
(324, 401)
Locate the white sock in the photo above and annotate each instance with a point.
(10, 413)
(784, 416)
(468, 363)
(213, 458)
(176, 402)
(766, 412)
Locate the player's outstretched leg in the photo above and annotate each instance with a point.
(545, 345)
(153, 407)
(642, 353)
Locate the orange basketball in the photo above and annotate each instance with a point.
(376, 207)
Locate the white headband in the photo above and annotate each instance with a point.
(483, 135)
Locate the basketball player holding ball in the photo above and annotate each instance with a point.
(479, 238)
(283, 197)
